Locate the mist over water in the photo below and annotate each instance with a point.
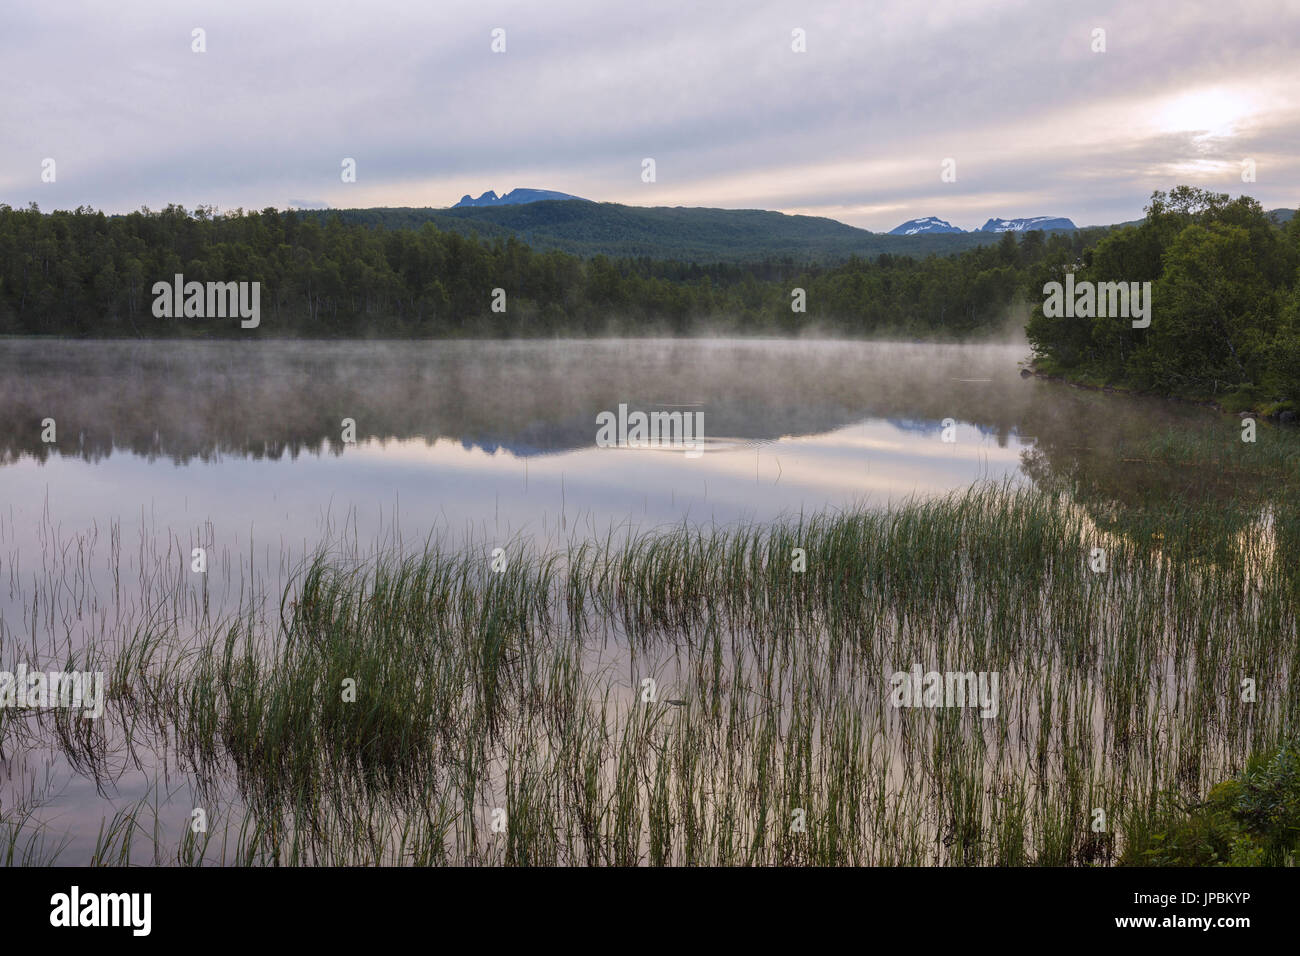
(186, 400)
(237, 448)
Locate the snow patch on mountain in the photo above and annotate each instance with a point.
(515, 197)
(1026, 225)
(933, 224)
(928, 224)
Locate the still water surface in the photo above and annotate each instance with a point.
(161, 447)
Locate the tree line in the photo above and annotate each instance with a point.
(1225, 304)
(1225, 322)
(84, 273)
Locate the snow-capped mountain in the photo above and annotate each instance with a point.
(929, 224)
(933, 224)
(515, 197)
(1026, 225)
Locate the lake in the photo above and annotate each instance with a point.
(263, 454)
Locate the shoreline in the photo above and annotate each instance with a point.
(1029, 370)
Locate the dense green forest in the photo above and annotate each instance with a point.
(83, 273)
(691, 234)
(1225, 316)
(1225, 319)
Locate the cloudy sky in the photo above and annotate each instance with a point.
(856, 128)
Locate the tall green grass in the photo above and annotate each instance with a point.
(501, 718)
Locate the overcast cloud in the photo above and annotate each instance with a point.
(855, 128)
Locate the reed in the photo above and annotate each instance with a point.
(686, 696)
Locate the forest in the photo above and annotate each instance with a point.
(83, 273)
(1225, 323)
(691, 233)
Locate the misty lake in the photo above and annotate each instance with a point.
(238, 448)
(239, 445)
(160, 448)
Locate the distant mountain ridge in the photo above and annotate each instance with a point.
(1045, 223)
(685, 234)
(698, 235)
(515, 197)
(933, 225)
(929, 225)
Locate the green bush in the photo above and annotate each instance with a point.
(1253, 820)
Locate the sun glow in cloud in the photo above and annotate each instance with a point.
(1216, 112)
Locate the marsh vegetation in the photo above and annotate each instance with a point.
(688, 692)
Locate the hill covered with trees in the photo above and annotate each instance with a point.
(83, 273)
(661, 232)
(1225, 315)
(1225, 304)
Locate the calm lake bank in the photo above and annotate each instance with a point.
(947, 510)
